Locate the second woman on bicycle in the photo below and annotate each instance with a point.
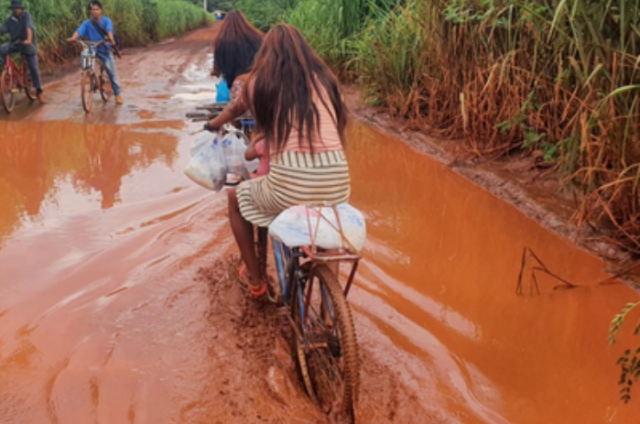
(298, 107)
(235, 47)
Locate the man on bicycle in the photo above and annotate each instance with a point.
(20, 28)
(100, 28)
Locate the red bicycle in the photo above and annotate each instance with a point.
(13, 79)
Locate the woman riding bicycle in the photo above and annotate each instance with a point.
(297, 105)
(235, 47)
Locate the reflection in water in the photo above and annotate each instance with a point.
(440, 277)
(35, 158)
(106, 163)
(23, 174)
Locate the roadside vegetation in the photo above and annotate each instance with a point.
(629, 362)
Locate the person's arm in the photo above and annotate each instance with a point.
(29, 25)
(230, 113)
(234, 110)
(251, 153)
(109, 28)
(29, 39)
(74, 37)
(80, 32)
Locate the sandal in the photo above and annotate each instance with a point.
(255, 292)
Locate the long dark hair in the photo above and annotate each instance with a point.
(236, 46)
(286, 77)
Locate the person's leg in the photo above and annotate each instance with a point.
(110, 66)
(32, 61)
(4, 52)
(243, 233)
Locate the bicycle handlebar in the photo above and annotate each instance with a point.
(90, 43)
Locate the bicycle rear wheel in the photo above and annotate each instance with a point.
(326, 346)
(87, 84)
(7, 92)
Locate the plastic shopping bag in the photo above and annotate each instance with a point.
(202, 139)
(234, 146)
(292, 227)
(222, 92)
(207, 165)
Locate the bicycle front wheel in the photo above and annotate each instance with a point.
(326, 346)
(7, 92)
(87, 84)
(105, 84)
(28, 85)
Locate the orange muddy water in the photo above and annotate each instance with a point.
(118, 300)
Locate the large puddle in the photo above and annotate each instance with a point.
(100, 229)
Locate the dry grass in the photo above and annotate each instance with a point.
(561, 77)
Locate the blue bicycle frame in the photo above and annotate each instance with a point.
(286, 260)
(282, 255)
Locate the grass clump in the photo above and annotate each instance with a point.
(263, 14)
(176, 17)
(331, 25)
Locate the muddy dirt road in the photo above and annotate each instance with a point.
(118, 301)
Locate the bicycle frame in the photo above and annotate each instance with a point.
(90, 54)
(17, 73)
(286, 260)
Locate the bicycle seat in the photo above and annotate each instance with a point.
(301, 226)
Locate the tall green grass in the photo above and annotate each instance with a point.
(331, 25)
(263, 14)
(136, 21)
(320, 22)
(176, 17)
(392, 80)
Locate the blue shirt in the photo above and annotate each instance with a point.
(88, 30)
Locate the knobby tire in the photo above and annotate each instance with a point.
(7, 95)
(344, 395)
(105, 84)
(87, 85)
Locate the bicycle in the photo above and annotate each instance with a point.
(90, 80)
(325, 345)
(13, 79)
